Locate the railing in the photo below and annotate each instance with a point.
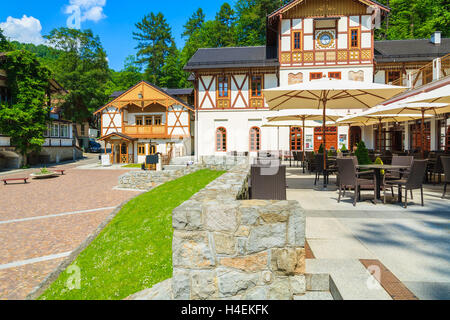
(437, 69)
(145, 130)
(445, 66)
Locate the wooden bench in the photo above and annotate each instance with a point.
(5, 181)
(60, 171)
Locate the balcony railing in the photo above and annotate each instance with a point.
(435, 70)
(146, 131)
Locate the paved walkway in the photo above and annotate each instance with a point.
(43, 221)
(413, 243)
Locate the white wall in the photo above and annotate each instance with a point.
(5, 141)
(368, 72)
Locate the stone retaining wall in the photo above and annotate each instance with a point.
(225, 248)
(146, 180)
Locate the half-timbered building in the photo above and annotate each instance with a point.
(146, 120)
(306, 40)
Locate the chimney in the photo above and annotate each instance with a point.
(436, 38)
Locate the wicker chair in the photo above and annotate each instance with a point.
(446, 165)
(412, 182)
(395, 174)
(297, 156)
(268, 182)
(349, 177)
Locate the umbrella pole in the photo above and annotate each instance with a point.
(324, 143)
(303, 145)
(422, 133)
(380, 128)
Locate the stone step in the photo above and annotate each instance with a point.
(315, 295)
(351, 279)
(182, 160)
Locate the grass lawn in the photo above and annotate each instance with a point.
(134, 251)
(133, 165)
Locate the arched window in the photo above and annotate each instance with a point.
(221, 139)
(255, 139)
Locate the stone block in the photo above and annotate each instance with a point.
(192, 250)
(288, 261)
(280, 289)
(252, 263)
(224, 243)
(318, 282)
(298, 284)
(204, 285)
(181, 284)
(266, 236)
(220, 216)
(232, 282)
(256, 293)
(296, 228)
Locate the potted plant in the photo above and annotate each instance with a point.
(362, 154)
(44, 173)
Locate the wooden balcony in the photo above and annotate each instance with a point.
(151, 132)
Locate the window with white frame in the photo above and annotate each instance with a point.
(64, 131)
(47, 131)
(55, 130)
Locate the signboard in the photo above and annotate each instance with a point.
(309, 142)
(106, 160)
(342, 140)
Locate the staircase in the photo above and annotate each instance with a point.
(179, 163)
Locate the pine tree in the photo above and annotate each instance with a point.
(194, 23)
(155, 40)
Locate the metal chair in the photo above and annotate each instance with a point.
(349, 177)
(446, 165)
(412, 182)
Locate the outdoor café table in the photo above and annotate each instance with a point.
(378, 168)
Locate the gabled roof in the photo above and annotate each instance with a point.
(293, 3)
(172, 92)
(230, 57)
(158, 89)
(410, 50)
(118, 134)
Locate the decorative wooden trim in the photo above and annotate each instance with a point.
(239, 89)
(207, 89)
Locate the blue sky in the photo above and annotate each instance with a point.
(112, 20)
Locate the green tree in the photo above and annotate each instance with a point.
(155, 41)
(173, 75)
(194, 23)
(252, 20)
(224, 35)
(362, 154)
(24, 118)
(415, 19)
(82, 69)
(4, 43)
(124, 79)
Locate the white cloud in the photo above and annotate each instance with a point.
(86, 10)
(26, 29)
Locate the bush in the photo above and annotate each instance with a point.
(379, 161)
(344, 148)
(362, 154)
(321, 149)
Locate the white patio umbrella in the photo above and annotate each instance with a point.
(367, 119)
(439, 95)
(422, 109)
(330, 94)
(305, 115)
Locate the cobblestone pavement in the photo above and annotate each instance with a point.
(46, 218)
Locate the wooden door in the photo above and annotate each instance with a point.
(355, 137)
(123, 153)
(296, 139)
(331, 138)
